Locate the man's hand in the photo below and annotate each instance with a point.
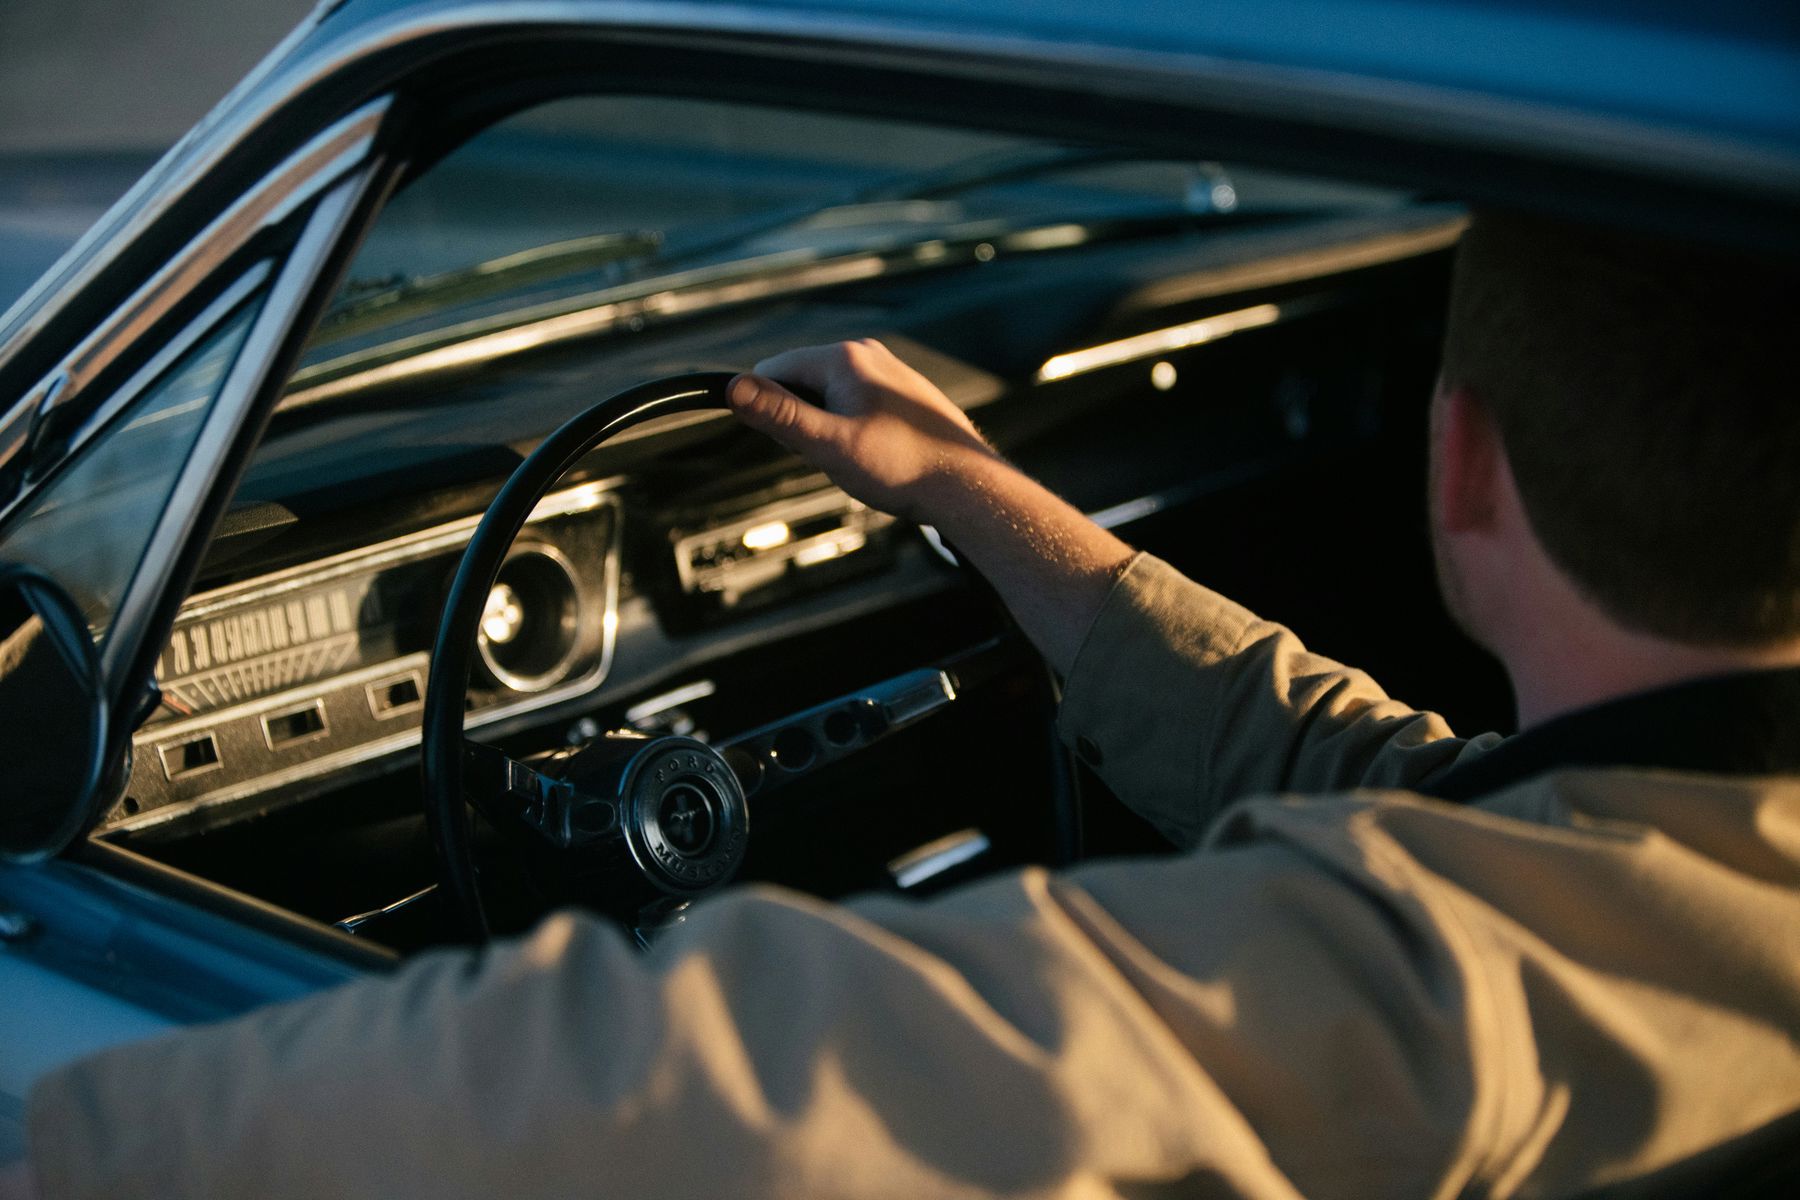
(885, 433)
(889, 437)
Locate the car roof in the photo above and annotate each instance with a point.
(1724, 68)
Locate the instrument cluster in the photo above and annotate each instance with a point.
(301, 673)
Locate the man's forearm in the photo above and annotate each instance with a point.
(1051, 565)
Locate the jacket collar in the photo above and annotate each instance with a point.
(1742, 724)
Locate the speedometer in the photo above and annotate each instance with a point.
(265, 644)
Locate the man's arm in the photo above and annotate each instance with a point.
(1244, 1020)
(1181, 699)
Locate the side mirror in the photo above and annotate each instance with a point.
(53, 717)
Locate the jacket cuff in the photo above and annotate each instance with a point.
(1137, 697)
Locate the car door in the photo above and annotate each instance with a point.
(120, 462)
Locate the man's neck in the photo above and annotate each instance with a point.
(1590, 662)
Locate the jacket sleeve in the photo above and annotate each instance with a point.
(1041, 1036)
(1184, 702)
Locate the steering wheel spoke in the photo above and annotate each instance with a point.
(782, 752)
(514, 795)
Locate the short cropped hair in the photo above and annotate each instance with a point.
(1646, 396)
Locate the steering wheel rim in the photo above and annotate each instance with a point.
(453, 653)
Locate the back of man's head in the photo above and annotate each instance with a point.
(1650, 417)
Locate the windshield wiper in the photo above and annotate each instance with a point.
(1011, 165)
(375, 302)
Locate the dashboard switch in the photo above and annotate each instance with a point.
(395, 695)
(295, 725)
(191, 757)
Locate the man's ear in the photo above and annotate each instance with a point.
(1466, 457)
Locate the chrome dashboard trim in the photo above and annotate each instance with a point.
(533, 684)
(383, 712)
(568, 502)
(789, 273)
(314, 705)
(1158, 342)
(171, 772)
(573, 501)
(929, 861)
(1304, 266)
(1125, 513)
(349, 757)
(774, 276)
(858, 523)
(645, 712)
(175, 733)
(475, 343)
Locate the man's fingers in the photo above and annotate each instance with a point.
(766, 406)
(814, 367)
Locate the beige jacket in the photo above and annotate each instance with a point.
(1351, 992)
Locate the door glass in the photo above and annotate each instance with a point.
(89, 527)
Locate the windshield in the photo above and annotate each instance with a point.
(598, 200)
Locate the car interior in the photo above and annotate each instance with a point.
(1228, 364)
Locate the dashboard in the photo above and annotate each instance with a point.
(308, 673)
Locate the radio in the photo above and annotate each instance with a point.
(779, 550)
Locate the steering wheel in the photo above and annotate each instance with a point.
(649, 823)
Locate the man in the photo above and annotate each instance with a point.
(1585, 969)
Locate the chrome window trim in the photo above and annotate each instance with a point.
(232, 409)
(145, 377)
(321, 163)
(150, 374)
